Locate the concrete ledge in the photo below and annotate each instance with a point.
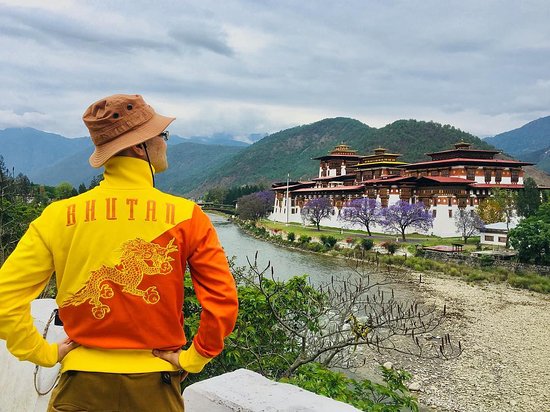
(17, 392)
(247, 391)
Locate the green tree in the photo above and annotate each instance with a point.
(531, 238)
(95, 181)
(82, 188)
(528, 199)
(216, 195)
(64, 190)
(19, 205)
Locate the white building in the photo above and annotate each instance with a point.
(452, 180)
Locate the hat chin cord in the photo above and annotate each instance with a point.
(149, 162)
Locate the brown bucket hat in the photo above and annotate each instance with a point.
(120, 121)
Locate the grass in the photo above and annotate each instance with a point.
(414, 238)
(531, 281)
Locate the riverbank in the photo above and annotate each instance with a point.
(398, 254)
(505, 365)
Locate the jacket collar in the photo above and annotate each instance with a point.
(126, 172)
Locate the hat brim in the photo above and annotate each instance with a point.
(155, 126)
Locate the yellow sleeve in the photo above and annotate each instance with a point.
(192, 361)
(22, 277)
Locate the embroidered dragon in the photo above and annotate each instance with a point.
(139, 258)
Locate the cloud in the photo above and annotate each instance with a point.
(252, 67)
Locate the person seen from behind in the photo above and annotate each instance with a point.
(119, 253)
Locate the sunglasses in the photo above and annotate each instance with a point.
(165, 135)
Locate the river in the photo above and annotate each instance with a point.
(288, 262)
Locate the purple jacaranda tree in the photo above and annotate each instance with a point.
(362, 211)
(317, 209)
(468, 223)
(255, 205)
(402, 215)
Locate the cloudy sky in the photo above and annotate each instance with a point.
(260, 66)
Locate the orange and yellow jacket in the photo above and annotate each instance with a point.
(119, 252)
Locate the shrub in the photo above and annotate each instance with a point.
(392, 395)
(290, 236)
(486, 261)
(316, 247)
(367, 244)
(391, 247)
(328, 241)
(304, 239)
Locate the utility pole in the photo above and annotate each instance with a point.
(287, 198)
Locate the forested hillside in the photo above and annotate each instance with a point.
(291, 151)
(190, 164)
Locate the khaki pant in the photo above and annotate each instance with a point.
(111, 392)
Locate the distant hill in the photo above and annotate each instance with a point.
(528, 138)
(291, 150)
(50, 159)
(530, 142)
(29, 150)
(195, 168)
(191, 163)
(225, 139)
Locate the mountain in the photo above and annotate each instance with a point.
(191, 163)
(291, 150)
(28, 150)
(50, 159)
(530, 142)
(225, 139)
(195, 168)
(528, 138)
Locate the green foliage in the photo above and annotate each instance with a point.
(531, 238)
(304, 239)
(486, 260)
(64, 190)
(224, 196)
(530, 281)
(316, 247)
(20, 203)
(95, 181)
(82, 188)
(392, 396)
(328, 241)
(367, 244)
(290, 236)
(528, 199)
(391, 247)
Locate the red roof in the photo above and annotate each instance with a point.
(504, 186)
(329, 189)
(466, 160)
(447, 179)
